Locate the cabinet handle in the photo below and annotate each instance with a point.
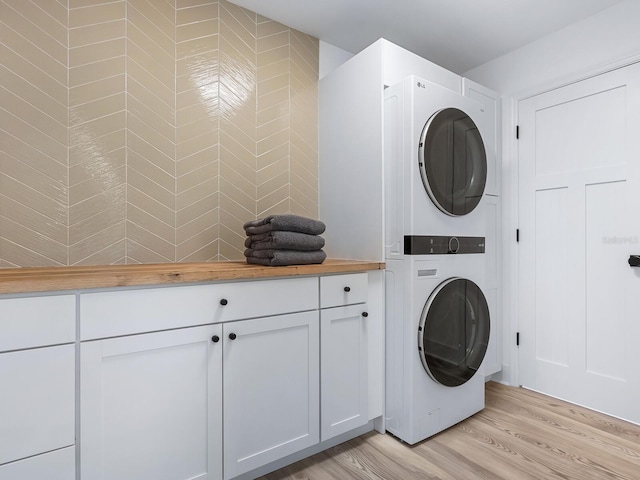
(232, 336)
(215, 339)
(347, 289)
(223, 302)
(365, 314)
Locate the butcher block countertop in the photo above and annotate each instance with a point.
(41, 279)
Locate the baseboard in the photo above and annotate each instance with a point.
(307, 452)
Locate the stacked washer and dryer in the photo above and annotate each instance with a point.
(437, 318)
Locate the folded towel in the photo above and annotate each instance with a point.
(289, 223)
(284, 241)
(284, 257)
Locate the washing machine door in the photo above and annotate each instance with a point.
(454, 332)
(453, 161)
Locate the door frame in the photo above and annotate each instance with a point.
(511, 206)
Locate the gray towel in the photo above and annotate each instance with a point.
(284, 241)
(289, 223)
(284, 257)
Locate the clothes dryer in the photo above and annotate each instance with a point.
(435, 163)
(437, 331)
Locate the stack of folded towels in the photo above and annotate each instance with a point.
(279, 240)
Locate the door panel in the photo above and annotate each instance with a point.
(570, 134)
(579, 197)
(606, 278)
(551, 272)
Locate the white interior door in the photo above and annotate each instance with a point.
(579, 219)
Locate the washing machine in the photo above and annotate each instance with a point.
(435, 163)
(437, 331)
(437, 318)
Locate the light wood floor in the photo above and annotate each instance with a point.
(520, 435)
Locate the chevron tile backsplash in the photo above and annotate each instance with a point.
(149, 131)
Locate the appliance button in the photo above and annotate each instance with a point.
(454, 245)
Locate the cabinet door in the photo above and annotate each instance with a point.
(150, 406)
(271, 383)
(37, 401)
(343, 367)
(492, 289)
(56, 465)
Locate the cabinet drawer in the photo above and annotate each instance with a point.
(347, 289)
(57, 465)
(268, 297)
(124, 312)
(37, 404)
(37, 321)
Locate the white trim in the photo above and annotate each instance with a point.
(574, 77)
(510, 219)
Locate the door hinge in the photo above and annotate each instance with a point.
(517, 131)
(517, 235)
(517, 339)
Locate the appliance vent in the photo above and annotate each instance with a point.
(431, 272)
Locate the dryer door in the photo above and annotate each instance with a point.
(453, 161)
(454, 332)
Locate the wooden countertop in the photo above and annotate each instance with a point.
(40, 279)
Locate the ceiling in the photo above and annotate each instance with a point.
(456, 34)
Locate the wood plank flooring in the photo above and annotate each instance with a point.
(520, 435)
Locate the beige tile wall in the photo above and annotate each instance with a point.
(144, 131)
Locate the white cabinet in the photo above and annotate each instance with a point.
(206, 381)
(151, 406)
(490, 100)
(337, 290)
(343, 353)
(55, 465)
(351, 169)
(493, 205)
(344, 369)
(493, 359)
(37, 401)
(152, 403)
(37, 378)
(124, 312)
(271, 389)
(29, 322)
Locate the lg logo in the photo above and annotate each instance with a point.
(421, 85)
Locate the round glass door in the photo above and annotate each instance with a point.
(454, 332)
(453, 161)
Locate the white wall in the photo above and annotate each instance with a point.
(605, 38)
(331, 57)
(596, 44)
